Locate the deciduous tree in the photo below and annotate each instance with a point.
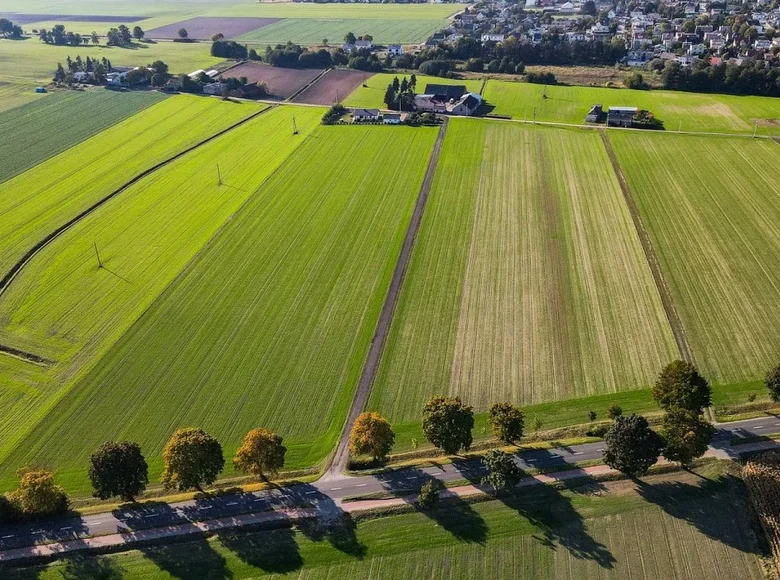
(681, 387)
(772, 382)
(118, 469)
(261, 454)
(507, 422)
(192, 458)
(138, 32)
(686, 436)
(503, 472)
(447, 423)
(37, 494)
(371, 435)
(183, 33)
(631, 446)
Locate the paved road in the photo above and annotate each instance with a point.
(325, 495)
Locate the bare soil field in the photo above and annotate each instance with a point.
(23, 19)
(282, 82)
(204, 28)
(333, 87)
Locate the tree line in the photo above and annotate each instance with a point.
(192, 459)
(10, 30)
(751, 78)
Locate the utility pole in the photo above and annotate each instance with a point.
(97, 254)
(219, 176)
(295, 127)
(534, 115)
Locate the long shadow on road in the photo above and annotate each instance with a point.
(454, 515)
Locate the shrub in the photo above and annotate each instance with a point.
(429, 494)
(772, 382)
(541, 78)
(614, 411)
(507, 422)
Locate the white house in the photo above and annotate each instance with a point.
(213, 89)
(391, 118)
(566, 8)
(395, 49)
(492, 38)
(363, 45)
(359, 115)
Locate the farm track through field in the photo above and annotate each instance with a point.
(292, 97)
(25, 356)
(663, 290)
(339, 461)
(31, 253)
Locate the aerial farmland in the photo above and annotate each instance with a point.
(350, 290)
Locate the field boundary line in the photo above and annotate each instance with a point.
(25, 356)
(675, 322)
(338, 462)
(300, 91)
(32, 252)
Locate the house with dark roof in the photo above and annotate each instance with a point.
(445, 92)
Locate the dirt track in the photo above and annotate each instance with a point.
(341, 457)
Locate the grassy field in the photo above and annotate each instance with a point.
(35, 62)
(15, 92)
(66, 308)
(280, 308)
(373, 93)
(528, 282)
(340, 11)
(691, 111)
(671, 527)
(712, 208)
(39, 130)
(39, 200)
(306, 31)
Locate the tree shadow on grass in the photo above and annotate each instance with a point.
(87, 566)
(553, 514)
(193, 558)
(453, 514)
(333, 524)
(713, 506)
(274, 551)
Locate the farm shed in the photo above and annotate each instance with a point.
(621, 116)
(391, 118)
(595, 115)
(446, 92)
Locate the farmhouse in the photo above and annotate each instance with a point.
(395, 49)
(213, 88)
(621, 116)
(391, 118)
(360, 115)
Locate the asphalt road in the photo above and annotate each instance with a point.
(325, 495)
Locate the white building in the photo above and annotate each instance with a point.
(395, 49)
(492, 38)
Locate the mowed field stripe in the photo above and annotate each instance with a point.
(652, 260)
(536, 290)
(712, 209)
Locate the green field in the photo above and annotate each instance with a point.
(279, 308)
(41, 199)
(43, 128)
(16, 91)
(64, 308)
(676, 526)
(689, 111)
(712, 207)
(306, 31)
(373, 93)
(528, 282)
(35, 62)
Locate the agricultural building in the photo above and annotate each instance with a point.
(621, 116)
(445, 92)
(595, 115)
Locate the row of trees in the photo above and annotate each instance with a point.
(399, 94)
(191, 459)
(97, 69)
(748, 79)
